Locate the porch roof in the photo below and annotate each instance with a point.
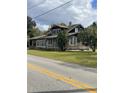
(53, 36)
(37, 37)
(70, 34)
(48, 37)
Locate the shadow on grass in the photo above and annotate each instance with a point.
(67, 91)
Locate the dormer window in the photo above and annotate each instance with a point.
(55, 31)
(76, 30)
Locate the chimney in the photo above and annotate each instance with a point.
(70, 23)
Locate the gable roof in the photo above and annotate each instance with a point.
(59, 25)
(73, 26)
(62, 26)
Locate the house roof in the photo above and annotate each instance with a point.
(61, 26)
(72, 33)
(69, 28)
(37, 37)
(72, 27)
(53, 36)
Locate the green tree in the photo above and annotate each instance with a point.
(88, 37)
(37, 32)
(30, 25)
(83, 37)
(62, 40)
(93, 36)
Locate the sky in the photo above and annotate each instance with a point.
(77, 11)
(94, 4)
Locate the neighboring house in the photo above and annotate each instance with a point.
(49, 41)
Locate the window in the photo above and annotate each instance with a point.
(76, 29)
(37, 42)
(41, 41)
(73, 40)
(55, 31)
(50, 41)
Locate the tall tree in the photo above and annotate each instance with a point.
(93, 36)
(37, 32)
(62, 41)
(30, 25)
(89, 36)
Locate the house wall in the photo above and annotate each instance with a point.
(41, 43)
(73, 44)
(72, 41)
(47, 44)
(32, 43)
(51, 44)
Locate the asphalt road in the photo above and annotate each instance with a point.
(51, 76)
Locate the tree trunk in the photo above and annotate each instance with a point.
(93, 49)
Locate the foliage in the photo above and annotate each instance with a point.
(62, 41)
(36, 32)
(30, 25)
(32, 30)
(30, 22)
(89, 36)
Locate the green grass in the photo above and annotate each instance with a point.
(84, 58)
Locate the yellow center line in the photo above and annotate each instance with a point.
(67, 80)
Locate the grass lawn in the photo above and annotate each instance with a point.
(84, 58)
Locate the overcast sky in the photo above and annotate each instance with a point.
(78, 11)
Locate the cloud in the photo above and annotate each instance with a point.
(78, 11)
(42, 27)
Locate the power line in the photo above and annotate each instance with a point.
(52, 9)
(36, 5)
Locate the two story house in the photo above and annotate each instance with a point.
(49, 41)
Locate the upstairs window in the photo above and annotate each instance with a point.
(76, 30)
(55, 31)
